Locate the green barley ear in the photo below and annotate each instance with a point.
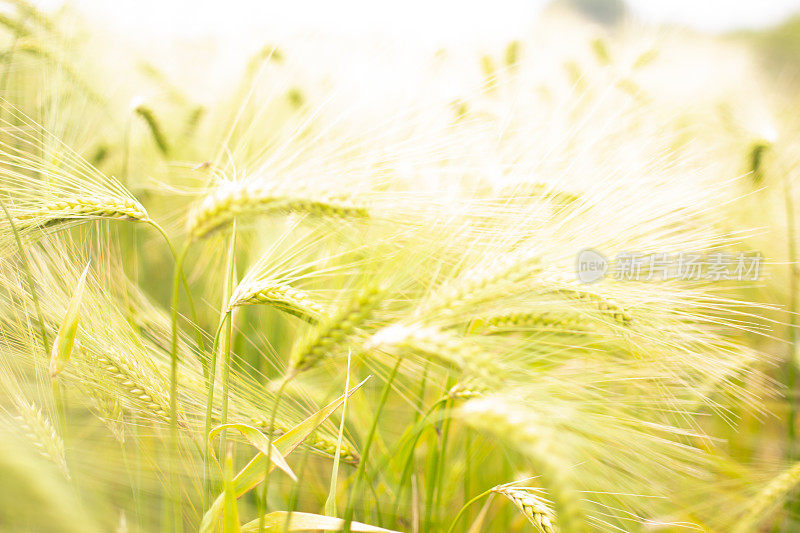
(755, 160)
(193, 121)
(39, 429)
(525, 321)
(296, 97)
(99, 155)
(489, 72)
(600, 49)
(146, 114)
(768, 499)
(65, 338)
(15, 25)
(645, 59)
(512, 54)
(81, 207)
(50, 184)
(233, 200)
(335, 330)
(280, 296)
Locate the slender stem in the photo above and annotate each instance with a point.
(9, 57)
(210, 378)
(441, 462)
(179, 259)
(173, 386)
(293, 497)
(419, 429)
(792, 311)
(464, 508)
(330, 502)
(268, 463)
(430, 477)
(467, 465)
(227, 349)
(362, 465)
(31, 285)
(794, 359)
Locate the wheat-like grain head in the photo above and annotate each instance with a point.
(232, 200)
(532, 506)
(38, 428)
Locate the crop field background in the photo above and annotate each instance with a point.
(255, 276)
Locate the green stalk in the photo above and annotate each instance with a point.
(794, 362)
(419, 429)
(262, 507)
(330, 502)
(173, 387)
(29, 276)
(467, 467)
(55, 386)
(348, 514)
(210, 378)
(430, 477)
(465, 507)
(178, 260)
(9, 57)
(230, 271)
(793, 275)
(293, 497)
(441, 462)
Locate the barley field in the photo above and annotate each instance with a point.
(328, 284)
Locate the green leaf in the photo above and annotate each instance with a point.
(255, 437)
(65, 339)
(254, 472)
(274, 523)
(330, 503)
(477, 525)
(230, 512)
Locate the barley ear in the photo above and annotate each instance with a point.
(770, 496)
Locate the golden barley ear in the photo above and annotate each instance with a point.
(39, 429)
(333, 331)
(280, 296)
(228, 202)
(533, 507)
(770, 497)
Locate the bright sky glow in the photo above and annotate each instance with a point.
(424, 20)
